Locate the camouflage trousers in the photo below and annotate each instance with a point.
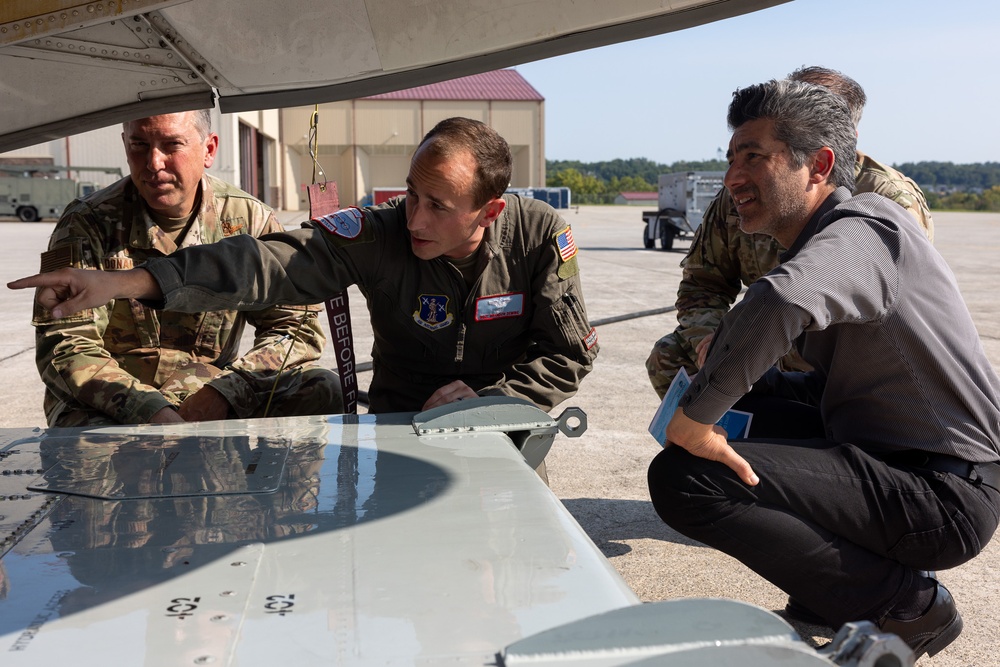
(303, 390)
(669, 354)
(677, 350)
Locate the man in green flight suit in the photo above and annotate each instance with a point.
(722, 258)
(471, 291)
(120, 362)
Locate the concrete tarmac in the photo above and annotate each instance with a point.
(601, 477)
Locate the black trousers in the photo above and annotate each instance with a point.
(842, 531)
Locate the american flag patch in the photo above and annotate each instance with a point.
(56, 258)
(567, 247)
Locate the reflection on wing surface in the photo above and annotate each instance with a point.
(299, 540)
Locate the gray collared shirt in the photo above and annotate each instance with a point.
(876, 311)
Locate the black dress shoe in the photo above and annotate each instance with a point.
(939, 626)
(797, 611)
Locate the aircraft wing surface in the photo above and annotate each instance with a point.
(71, 66)
(346, 540)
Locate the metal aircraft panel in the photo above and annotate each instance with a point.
(379, 546)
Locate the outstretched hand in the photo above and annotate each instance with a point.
(69, 291)
(708, 441)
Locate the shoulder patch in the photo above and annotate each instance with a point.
(60, 257)
(567, 249)
(346, 223)
(566, 244)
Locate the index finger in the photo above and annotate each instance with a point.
(37, 280)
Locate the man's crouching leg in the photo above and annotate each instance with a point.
(304, 391)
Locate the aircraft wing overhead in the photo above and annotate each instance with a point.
(71, 66)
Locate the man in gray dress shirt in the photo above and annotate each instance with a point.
(881, 463)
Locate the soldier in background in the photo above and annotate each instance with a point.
(124, 363)
(723, 258)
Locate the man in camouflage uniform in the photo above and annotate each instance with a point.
(722, 258)
(124, 363)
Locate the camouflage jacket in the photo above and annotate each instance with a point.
(722, 258)
(115, 358)
(521, 329)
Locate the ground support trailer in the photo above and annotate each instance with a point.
(683, 198)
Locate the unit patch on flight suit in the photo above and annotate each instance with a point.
(346, 223)
(432, 312)
(500, 306)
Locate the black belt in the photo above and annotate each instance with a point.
(976, 473)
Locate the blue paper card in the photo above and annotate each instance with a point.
(735, 422)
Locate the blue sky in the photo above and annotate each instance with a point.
(931, 70)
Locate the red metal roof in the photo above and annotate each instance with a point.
(504, 84)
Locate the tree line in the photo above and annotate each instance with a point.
(601, 182)
(973, 187)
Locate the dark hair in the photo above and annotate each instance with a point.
(806, 117)
(488, 148)
(843, 85)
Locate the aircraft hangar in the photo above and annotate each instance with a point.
(361, 144)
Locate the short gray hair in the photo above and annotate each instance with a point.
(202, 122)
(806, 117)
(838, 82)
